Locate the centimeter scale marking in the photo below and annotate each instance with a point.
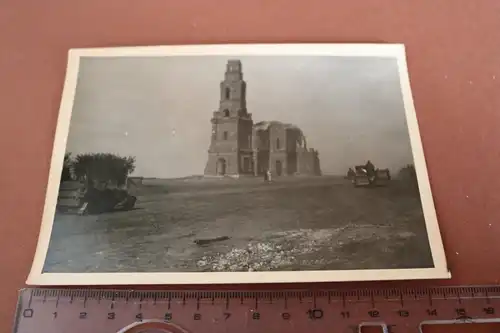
(394, 310)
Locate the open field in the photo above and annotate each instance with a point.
(292, 224)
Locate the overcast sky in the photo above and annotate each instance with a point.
(159, 108)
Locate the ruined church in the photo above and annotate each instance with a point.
(238, 147)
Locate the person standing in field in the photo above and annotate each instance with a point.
(268, 172)
(370, 170)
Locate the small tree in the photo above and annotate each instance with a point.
(103, 167)
(408, 175)
(408, 172)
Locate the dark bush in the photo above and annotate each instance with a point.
(101, 167)
(66, 171)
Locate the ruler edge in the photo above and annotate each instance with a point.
(19, 306)
(23, 291)
(72, 292)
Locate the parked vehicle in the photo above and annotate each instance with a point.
(80, 198)
(367, 175)
(96, 201)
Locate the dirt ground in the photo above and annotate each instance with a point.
(315, 223)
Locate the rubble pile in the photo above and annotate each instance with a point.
(277, 251)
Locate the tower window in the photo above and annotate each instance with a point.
(228, 93)
(225, 135)
(226, 113)
(277, 143)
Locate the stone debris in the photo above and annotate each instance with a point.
(277, 251)
(255, 257)
(285, 249)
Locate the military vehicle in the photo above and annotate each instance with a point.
(77, 197)
(368, 176)
(99, 201)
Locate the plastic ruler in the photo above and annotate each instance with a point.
(46, 310)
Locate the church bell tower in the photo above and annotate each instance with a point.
(230, 151)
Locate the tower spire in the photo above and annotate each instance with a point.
(234, 71)
(230, 151)
(233, 90)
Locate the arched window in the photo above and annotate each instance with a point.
(226, 113)
(277, 143)
(227, 93)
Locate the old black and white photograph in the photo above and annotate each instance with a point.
(238, 163)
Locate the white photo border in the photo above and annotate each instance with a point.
(397, 51)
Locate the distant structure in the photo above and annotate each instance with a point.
(238, 147)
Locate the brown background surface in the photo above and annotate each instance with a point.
(453, 51)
